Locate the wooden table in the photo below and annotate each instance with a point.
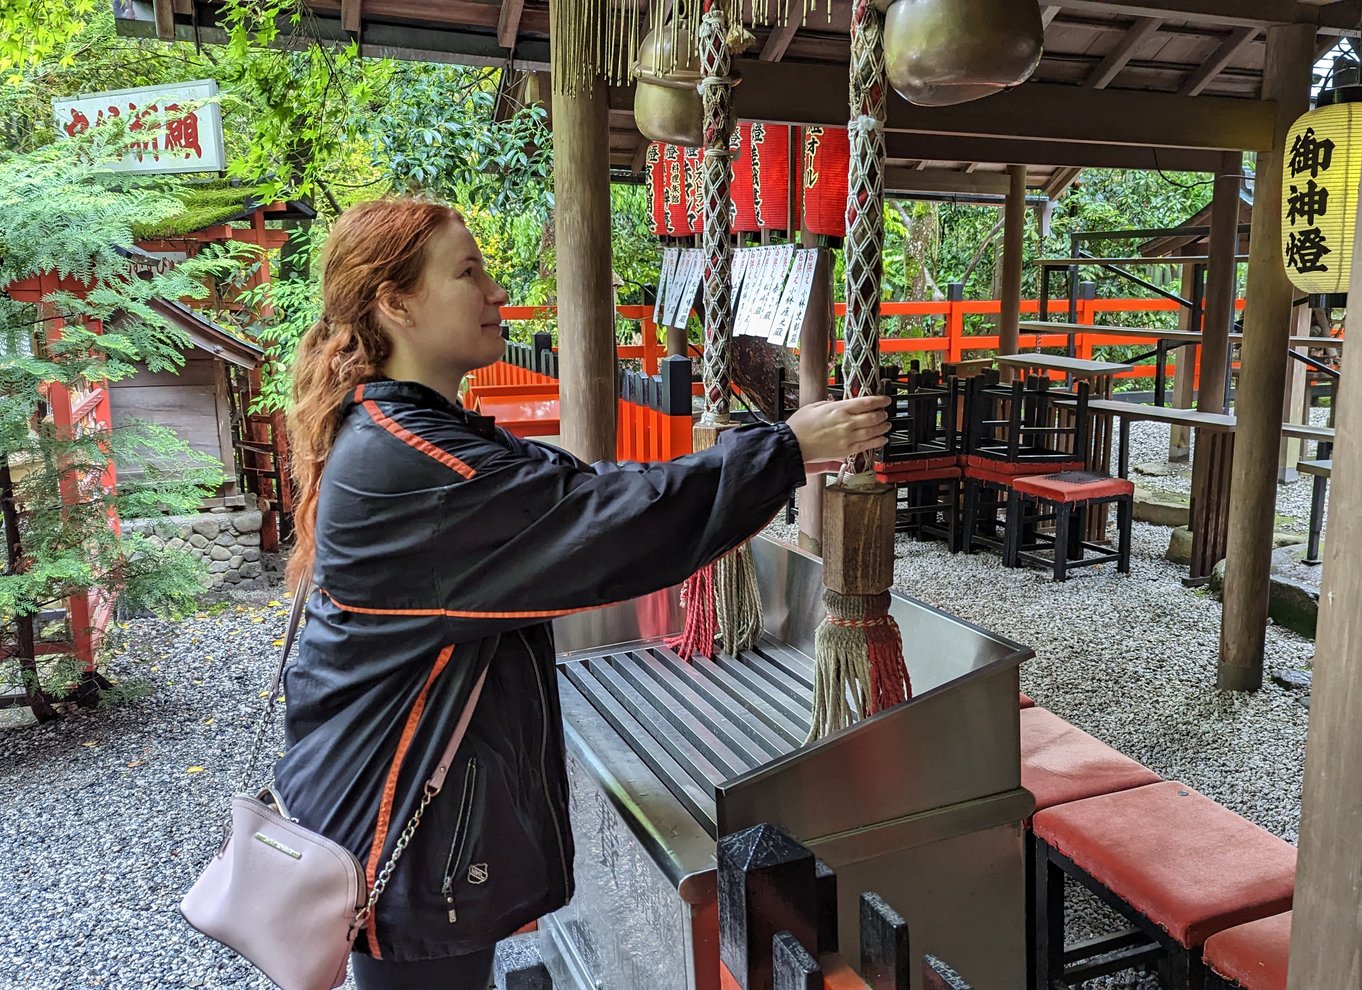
(1210, 510)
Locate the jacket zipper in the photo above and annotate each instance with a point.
(460, 840)
(543, 757)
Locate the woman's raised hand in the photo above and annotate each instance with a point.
(830, 432)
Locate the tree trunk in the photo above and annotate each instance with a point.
(26, 647)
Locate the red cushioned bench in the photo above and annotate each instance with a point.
(1250, 957)
(1179, 867)
(1062, 763)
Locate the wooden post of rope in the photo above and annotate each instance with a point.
(858, 652)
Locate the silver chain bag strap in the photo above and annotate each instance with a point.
(286, 899)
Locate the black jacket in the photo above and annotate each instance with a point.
(444, 546)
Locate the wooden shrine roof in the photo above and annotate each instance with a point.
(1165, 84)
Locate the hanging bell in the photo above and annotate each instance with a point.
(941, 52)
(667, 103)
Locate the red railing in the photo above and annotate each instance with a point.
(952, 344)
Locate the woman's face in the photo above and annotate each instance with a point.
(454, 319)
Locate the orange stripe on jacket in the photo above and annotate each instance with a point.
(411, 439)
(451, 613)
(385, 807)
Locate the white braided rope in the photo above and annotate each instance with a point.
(715, 91)
(865, 209)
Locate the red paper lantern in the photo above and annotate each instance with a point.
(771, 175)
(695, 190)
(654, 174)
(744, 183)
(827, 157)
(674, 197)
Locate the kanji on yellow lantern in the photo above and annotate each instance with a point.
(1321, 169)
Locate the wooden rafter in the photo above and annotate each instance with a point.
(1205, 74)
(1340, 15)
(779, 41)
(164, 12)
(1134, 36)
(508, 22)
(352, 15)
(1047, 15)
(1062, 179)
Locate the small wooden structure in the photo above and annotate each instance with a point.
(200, 402)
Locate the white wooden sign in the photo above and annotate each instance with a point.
(169, 139)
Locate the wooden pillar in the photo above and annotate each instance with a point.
(1267, 325)
(586, 324)
(1294, 408)
(1014, 229)
(1326, 950)
(1222, 278)
(815, 346)
(1184, 382)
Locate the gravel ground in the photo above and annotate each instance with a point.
(109, 814)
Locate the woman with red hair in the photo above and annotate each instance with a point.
(440, 547)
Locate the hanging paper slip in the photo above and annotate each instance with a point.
(784, 311)
(799, 302)
(779, 269)
(741, 256)
(664, 280)
(692, 286)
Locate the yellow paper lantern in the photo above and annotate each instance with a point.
(1321, 169)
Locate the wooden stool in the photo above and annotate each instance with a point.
(1251, 957)
(1066, 498)
(927, 494)
(1175, 864)
(1062, 763)
(1024, 701)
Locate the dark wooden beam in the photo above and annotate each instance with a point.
(1231, 13)
(947, 148)
(1124, 50)
(1237, 41)
(898, 179)
(1047, 15)
(508, 22)
(816, 94)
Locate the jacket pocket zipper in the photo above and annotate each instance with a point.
(460, 840)
(543, 757)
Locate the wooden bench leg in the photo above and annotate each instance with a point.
(1012, 538)
(1047, 919)
(1124, 511)
(1063, 519)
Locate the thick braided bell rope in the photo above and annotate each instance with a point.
(865, 209)
(716, 92)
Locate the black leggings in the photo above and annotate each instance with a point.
(470, 972)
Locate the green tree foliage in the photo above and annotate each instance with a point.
(65, 213)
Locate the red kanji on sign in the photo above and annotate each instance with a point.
(744, 182)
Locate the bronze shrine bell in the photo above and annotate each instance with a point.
(941, 52)
(667, 103)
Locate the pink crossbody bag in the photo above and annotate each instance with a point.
(286, 899)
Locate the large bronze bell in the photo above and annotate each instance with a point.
(941, 52)
(667, 104)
